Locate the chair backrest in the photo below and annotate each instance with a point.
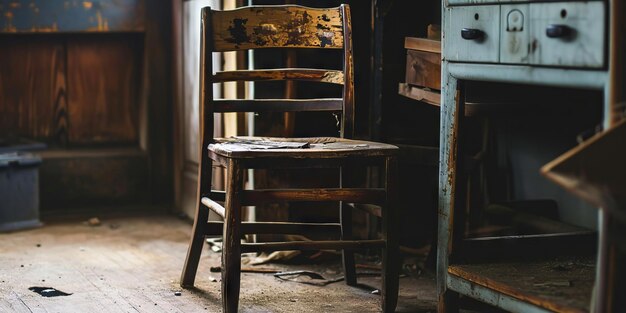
(284, 26)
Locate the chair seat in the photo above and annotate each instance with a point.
(315, 147)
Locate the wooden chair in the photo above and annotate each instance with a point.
(286, 27)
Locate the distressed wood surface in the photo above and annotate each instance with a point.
(358, 195)
(135, 264)
(44, 16)
(278, 105)
(231, 246)
(214, 206)
(486, 49)
(202, 137)
(423, 44)
(333, 149)
(447, 299)
(286, 26)
(316, 75)
(423, 69)
(420, 94)
(527, 247)
(347, 125)
(254, 27)
(560, 285)
(391, 254)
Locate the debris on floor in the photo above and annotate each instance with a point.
(94, 221)
(555, 283)
(48, 291)
(263, 270)
(215, 244)
(310, 278)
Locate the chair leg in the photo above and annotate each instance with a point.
(349, 268)
(231, 249)
(195, 247)
(391, 258)
(448, 302)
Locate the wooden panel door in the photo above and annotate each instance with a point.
(187, 104)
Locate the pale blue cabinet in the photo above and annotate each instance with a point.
(561, 44)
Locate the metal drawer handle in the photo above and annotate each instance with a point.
(558, 31)
(472, 33)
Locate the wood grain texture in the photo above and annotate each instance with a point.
(423, 69)
(317, 75)
(423, 44)
(336, 148)
(347, 124)
(278, 105)
(136, 265)
(214, 206)
(103, 101)
(231, 247)
(420, 94)
(358, 195)
(282, 26)
(33, 89)
(230, 30)
(533, 281)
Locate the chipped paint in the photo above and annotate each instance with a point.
(238, 32)
(289, 27)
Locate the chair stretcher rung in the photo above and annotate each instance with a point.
(305, 74)
(331, 229)
(214, 206)
(358, 195)
(311, 245)
(278, 105)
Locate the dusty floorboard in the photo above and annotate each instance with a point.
(133, 264)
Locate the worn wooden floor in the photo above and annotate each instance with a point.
(133, 264)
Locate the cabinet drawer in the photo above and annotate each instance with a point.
(472, 34)
(423, 69)
(567, 34)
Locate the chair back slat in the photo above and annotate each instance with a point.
(286, 26)
(278, 105)
(302, 74)
(283, 26)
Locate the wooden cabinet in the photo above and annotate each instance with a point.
(540, 43)
(90, 79)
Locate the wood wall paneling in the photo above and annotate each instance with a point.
(32, 88)
(103, 98)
